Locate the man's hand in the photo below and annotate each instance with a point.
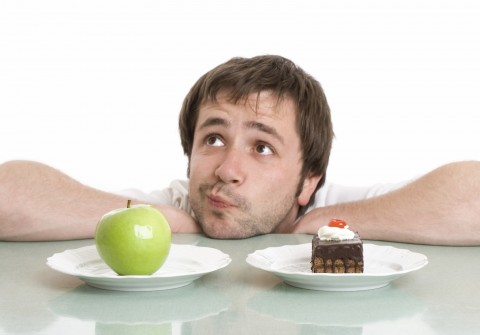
(180, 221)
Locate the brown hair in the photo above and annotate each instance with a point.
(241, 77)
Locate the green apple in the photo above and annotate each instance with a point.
(133, 240)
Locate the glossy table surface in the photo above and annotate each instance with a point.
(441, 298)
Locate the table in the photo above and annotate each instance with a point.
(441, 298)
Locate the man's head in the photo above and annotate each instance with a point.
(267, 95)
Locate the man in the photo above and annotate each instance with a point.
(257, 133)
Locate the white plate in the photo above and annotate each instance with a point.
(184, 264)
(382, 264)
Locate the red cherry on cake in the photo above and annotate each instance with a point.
(337, 223)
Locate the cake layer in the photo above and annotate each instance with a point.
(337, 256)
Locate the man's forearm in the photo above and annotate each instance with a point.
(38, 202)
(443, 207)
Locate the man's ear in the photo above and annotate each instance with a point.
(309, 185)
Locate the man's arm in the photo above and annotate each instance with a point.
(38, 202)
(442, 207)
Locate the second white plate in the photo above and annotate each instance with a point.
(383, 264)
(184, 264)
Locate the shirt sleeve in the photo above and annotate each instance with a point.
(175, 195)
(332, 194)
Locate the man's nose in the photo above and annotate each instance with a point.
(231, 168)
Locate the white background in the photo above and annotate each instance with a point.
(94, 87)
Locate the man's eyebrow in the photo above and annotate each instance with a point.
(214, 121)
(265, 129)
(218, 121)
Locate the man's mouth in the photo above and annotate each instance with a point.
(219, 202)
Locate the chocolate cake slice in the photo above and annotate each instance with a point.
(337, 256)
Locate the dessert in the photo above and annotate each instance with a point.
(337, 249)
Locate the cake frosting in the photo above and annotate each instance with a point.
(328, 233)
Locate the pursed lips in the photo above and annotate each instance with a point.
(219, 202)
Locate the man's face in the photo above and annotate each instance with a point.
(245, 167)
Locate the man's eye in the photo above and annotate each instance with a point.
(264, 150)
(214, 141)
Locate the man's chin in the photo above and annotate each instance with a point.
(226, 235)
(225, 232)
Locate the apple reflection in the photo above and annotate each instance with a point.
(155, 312)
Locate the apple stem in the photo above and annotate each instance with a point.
(128, 203)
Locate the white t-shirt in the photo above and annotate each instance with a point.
(329, 194)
